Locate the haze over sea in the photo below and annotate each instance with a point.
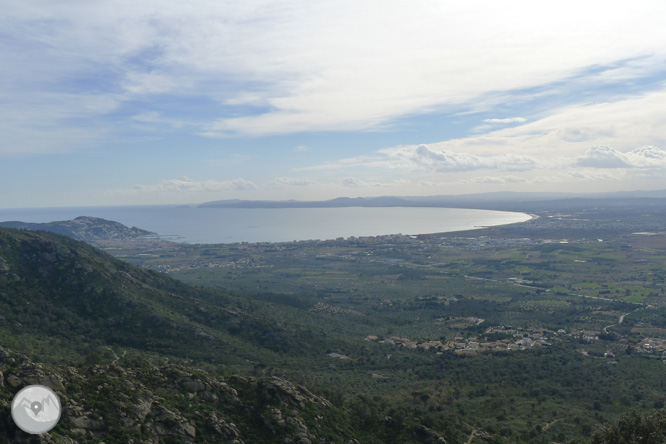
(227, 225)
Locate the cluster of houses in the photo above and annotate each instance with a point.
(652, 346)
(494, 339)
(501, 338)
(481, 242)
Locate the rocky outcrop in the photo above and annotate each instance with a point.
(168, 403)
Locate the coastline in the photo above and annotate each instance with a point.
(215, 225)
(532, 217)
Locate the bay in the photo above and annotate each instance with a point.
(193, 224)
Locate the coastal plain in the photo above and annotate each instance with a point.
(536, 331)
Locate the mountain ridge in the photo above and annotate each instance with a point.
(493, 199)
(81, 296)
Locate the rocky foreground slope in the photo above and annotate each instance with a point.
(168, 403)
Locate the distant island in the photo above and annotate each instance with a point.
(84, 228)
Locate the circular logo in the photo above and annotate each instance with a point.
(36, 409)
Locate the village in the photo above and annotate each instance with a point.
(499, 339)
(509, 339)
(494, 339)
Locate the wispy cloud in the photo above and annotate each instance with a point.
(291, 182)
(423, 157)
(351, 162)
(495, 179)
(471, 90)
(284, 66)
(597, 175)
(507, 120)
(355, 182)
(187, 185)
(569, 131)
(603, 157)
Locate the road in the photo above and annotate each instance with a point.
(620, 320)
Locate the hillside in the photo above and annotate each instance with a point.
(79, 296)
(125, 348)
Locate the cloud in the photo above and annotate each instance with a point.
(603, 157)
(38, 123)
(355, 182)
(186, 185)
(495, 180)
(275, 67)
(400, 61)
(570, 130)
(152, 120)
(353, 162)
(507, 120)
(423, 157)
(647, 156)
(143, 83)
(291, 182)
(607, 157)
(598, 175)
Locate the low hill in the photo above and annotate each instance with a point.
(84, 228)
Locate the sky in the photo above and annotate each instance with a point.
(164, 102)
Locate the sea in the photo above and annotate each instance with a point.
(197, 225)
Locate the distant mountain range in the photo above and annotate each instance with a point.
(83, 228)
(494, 200)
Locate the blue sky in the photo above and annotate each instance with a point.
(142, 102)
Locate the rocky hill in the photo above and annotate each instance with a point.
(84, 228)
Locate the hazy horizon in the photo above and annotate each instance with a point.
(135, 103)
(477, 197)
